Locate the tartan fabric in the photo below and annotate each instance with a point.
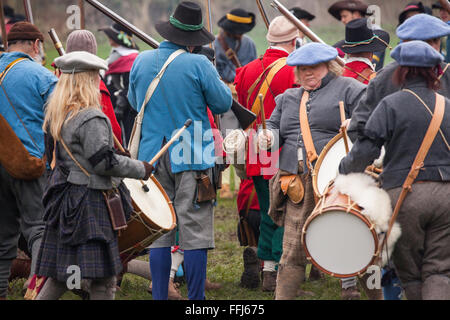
(294, 220)
(78, 231)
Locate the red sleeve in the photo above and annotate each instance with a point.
(108, 110)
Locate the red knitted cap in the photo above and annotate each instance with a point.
(24, 31)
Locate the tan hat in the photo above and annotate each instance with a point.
(80, 61)
(281, 30)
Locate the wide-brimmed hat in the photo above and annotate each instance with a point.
(412, 6)
(437, 5)
(80, 61)
(351, 5)
(360, 38)
(120, 35)
(185, 26)
(281, 30)
(237, 21)
(311, 54)
(416, 54)
(423, 27)
(302, 14)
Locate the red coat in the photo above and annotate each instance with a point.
(282, 81)
(357, 66)
(245, 191)
(108, 110)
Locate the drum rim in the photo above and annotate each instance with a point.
(356, 210)
(319, 161)
(169, 202)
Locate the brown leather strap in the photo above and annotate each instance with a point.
(258, 80)
(366, 75)
(445, 69)
(418, 161)
(306, 130)
(230, 53)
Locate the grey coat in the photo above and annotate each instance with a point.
(89, 137)
(399, 123)
(323, 116)
(380, 87)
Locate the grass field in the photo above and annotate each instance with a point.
(225, 265)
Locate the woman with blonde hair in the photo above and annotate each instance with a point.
(80, 233)
(322, 89)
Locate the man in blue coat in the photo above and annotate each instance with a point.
(189, 84)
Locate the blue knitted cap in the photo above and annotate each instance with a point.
(416, 54)
(311, 54)
(423, 27)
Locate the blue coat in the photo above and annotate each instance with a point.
(189, 85)
(28, 86)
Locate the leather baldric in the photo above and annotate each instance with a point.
(273, 69)
(418, 163)
(366, 75)
(306, 130)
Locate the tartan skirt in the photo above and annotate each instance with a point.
(78, 231)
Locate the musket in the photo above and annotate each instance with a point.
(28, 11)
(82, 17)
(124, 23)
(263, 13)
(3, 26)
(58, 45)
(244, 116)
(301, 26)
(211, 45)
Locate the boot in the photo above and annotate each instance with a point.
(372, 294)
(304, 293)
(212, 285)
(269, 281)
(139, 268)
(174, 293)
(250, 277)
(2, 298)
(315, 274)
(225, 192)
(288, 281)
(351, 293)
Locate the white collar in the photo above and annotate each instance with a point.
(279, 48)
(365, 60)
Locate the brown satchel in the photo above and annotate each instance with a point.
(14, 157)
(430, 135)
(205, 189)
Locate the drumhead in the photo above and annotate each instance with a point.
(328, 167)
(153, 203)
(340, 242)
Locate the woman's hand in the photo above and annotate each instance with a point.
(265, 139)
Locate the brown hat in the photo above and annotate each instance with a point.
(24, 31)
(81, 40)
(351, 5)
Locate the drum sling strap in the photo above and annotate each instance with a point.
(418, 163)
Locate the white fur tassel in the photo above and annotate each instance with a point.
(375, 202)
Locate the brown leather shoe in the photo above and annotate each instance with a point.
(269, 281)
(2, 298)
(174, 293)
(251, 276)
(351, 293)
(304, 293)
(212, 285)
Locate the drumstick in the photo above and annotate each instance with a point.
(168, 144)
(263, 114)
(344, 130)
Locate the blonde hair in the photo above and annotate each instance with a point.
(73, 93)
(335, 67)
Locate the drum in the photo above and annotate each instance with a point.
(327, 164)
(153, 216)
(235, 147)
(337, 238)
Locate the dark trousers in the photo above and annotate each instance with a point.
(21, 212)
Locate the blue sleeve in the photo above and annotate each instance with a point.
(132, 85)
(217, 94)
(47, 85)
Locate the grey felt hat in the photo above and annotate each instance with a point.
(80, 61)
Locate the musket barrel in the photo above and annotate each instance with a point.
(58, 44)
(301, 26)
(28, 11)
(263, 13)
(3, 27)
(133, 29)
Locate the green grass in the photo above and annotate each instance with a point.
(225, 265)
